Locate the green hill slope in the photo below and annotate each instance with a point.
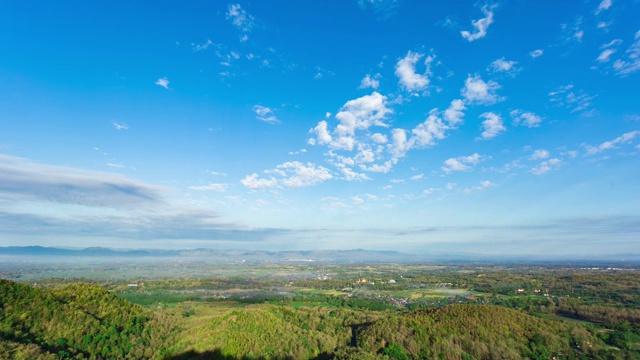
(477, 332)
(79, 321)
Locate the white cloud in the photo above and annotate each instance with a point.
(462, 163)
(417, 177)
(527, 119)
(357, 200)
(536, 53)
(370, 82)
(244, 38)
(604, 5)
(492, 125)
(502, 65)
(240, 18)
(265, 114)
(254, 182)
(406, 72)
(546, 166)
(164, 82)
(291, 174)
(426, 133)
(573, 33)
(453, 115)
(210, 187)
(362, 113)
(605, 55)
(481, 25)
(379, 138)
(539, 154)
(200, 47)
(607, 145)
(574, 100)
(119, 126)
(632, 64)
(483, 185)
(477, 91)
(300, 174)
(399, 145)
(322, 133)
(610, 48)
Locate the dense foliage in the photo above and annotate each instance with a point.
(78, 321)
(455, 312)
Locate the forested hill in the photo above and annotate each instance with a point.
(80, 321)
(83, 321)
(477, 332)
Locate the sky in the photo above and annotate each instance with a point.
(428, 127)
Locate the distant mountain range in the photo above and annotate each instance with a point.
(328, 256)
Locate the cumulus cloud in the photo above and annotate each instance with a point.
(454, 113)
(483, 185)
(539, 154)
(379, 138)
(612, 144)
(30, 181)
(480, 25)
(462, 163)
(358, 114)
(240, 18)
(265, 114)
(536, 53)
(410, 80)
(292, 174)
(370, 82)
(504, 66)
(163, 82)
(493, 125)
(254, 182)
(477, 91)
(527, 119)
(546, 166)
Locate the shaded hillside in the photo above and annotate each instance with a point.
(477, 332)
(79, 321)
(273, 331)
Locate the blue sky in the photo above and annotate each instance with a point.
(507, 127)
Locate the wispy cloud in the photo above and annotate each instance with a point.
(26, 180)
(570, 98)
(265, 114)
(383, 8)
(612, 144)
(525, 118)
(480, 25)
(632, 62)
(163, 82)
(240, 18)
(604, 5)
(536, 53)
(119, 126)
(211, 187)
